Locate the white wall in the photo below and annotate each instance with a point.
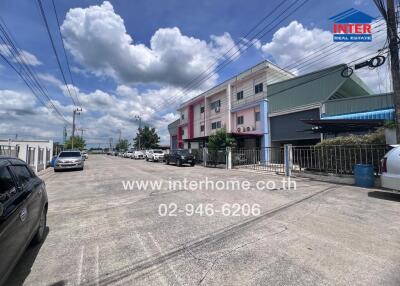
(23, 147)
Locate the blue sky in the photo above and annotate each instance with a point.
(111, 92)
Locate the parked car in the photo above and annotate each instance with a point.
(155, 155)
(128, 154)
(23, 212)
(85, 155)
(390, 167)
(69, 160)
(138, 155)
(180, 157)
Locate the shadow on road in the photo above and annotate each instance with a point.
(24, 265)
(395, 197)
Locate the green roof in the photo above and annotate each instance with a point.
(314, 88)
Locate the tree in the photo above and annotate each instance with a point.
(79, 143)
(122, 145)
(221, 140)
(147, 137)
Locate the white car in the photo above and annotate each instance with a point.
(138, 155)
(390, 166)
(154, 155)
(128, 154)
(85, 155)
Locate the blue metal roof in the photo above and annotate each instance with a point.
(384, 114)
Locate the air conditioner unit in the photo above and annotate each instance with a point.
(248, 128)
(217, 109)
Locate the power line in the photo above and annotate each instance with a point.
(54, 48)
(65, 54)
(24, 71)
(261, 33)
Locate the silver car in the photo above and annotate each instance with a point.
(69, 160)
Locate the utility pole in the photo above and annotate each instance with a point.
(76, 111)
(120, 135)
(137, 117)
(111, 141)
(391, 27)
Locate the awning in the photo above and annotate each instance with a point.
(335, 126)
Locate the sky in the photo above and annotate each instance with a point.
(137, 58)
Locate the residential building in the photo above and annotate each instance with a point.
(238, 104)
(265, 106)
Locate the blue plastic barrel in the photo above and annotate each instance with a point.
(364, 175)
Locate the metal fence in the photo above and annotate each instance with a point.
(216, 158)
(12, 151)
(267, 159)
(338, 159)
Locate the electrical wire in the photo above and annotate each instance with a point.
(54, 48)
(65, 54)
(231, 57)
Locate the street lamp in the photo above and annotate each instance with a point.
(137, 117)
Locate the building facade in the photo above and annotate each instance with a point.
(265, 106)
(239, 105)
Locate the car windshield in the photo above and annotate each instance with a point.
(183, 152)
(158, 151)
(70, 154)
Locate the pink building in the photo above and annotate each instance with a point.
(238, 104)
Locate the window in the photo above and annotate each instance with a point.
(257, 114)
(202, 109)
(239, 120)
(216, 125)
(68, 154)
(182, 116)
(183, 132)
(22, 173)
(201, 128)
(258, 88)
(215, 104)
(239, 95)
(6, 184)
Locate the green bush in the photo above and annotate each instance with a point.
(375, 138)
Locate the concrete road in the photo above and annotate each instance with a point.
(318, 234)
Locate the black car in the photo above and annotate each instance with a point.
(23, 211)
(179, 157)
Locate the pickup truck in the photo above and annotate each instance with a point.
(180, 157)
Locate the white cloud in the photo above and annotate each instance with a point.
(98, 39)
(24, 56)
(291, 44)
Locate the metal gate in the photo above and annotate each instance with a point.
(269, 159)
(215, 158)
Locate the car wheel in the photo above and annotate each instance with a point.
(147, 159)
(179, 163)
(40, 233)
(191, 164)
